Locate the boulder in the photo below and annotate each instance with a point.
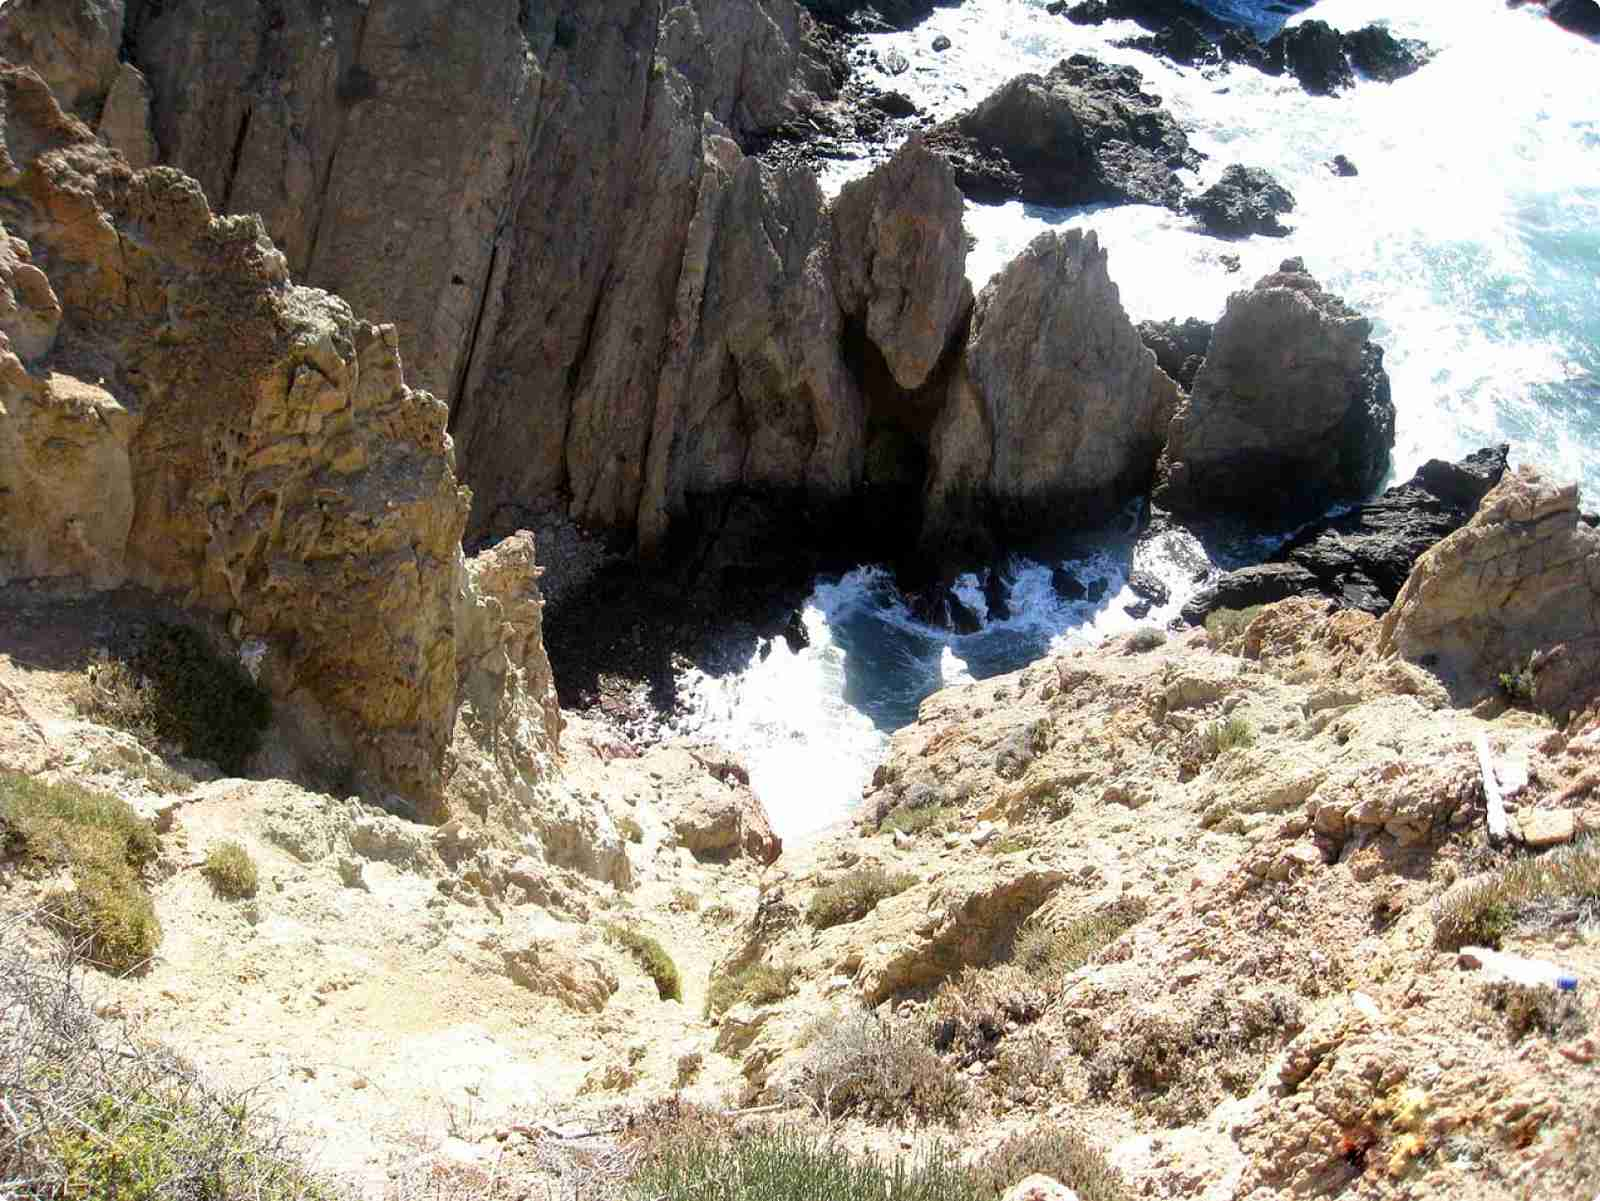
(1290, 412)
(1378, 54)
(1179, 346)
(1517, 588)
(1361, 558)
(1085, 132)
(1246, 200)
(1313, 52)
(582, 983)
(707, 803)
(1342, 167)
(1580, 16)
(1058, 412)
(899, 258)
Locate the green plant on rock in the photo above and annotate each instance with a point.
(1147, 639)
(1047, 952)
(757, 983)
(854, 895)
(1563, 885)
(102, 844)
(231, 870)
(1517, 684)
(914, 819)
(649, 954)
(175, 688)
(1224, 625)
(1231, 733)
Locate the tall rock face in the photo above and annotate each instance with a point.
(174, 412)
(1058, 414)
(1516, 589)
(1290, 412)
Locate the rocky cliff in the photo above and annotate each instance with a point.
(177, 414)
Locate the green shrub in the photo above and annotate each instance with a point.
(94, 1114)
(1566, 881)
(757, 983)
(854, 895)
(175, 688)
(630, 828)
(1147, 639)
(1226, 735)
(786, 1165)
(652, 956)
(1518, 685)
(231, 870)
(909, 819)
(1225, 625)
(1042, 951)
(102, 843)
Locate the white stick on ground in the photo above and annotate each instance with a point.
(1491, 792)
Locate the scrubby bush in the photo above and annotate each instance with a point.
(970, 1014)
(652, 956)
(854, 895)
(174, 687)
(757, 983)
(1147, 639)
(630, 828)
(1224, 625)
(1055, 1151)
(1228, 734)
(1533, 890)
(102, 844)
(879, 1068)
(92, 1113)
(231, 871)
(914, 819)
(1517, 684)
(1044, 951)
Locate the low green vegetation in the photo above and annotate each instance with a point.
(883, 1069)
(854, 895)
(1050, 1150)
(630, 828)
(1224, 625)
(171, 686)
(231, 871)
(1147, 639)
(1564, 884)
(910, 819)
(652, 956)
(1228, 734)
(1517, 684)
(91, 1114)
(1046, 952)
(756, 983)
(102, 844)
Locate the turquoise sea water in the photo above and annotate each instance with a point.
(1471, 238)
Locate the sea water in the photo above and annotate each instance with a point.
(1471, 238)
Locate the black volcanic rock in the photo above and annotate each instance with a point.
(1179, 346)
(1313, 52)
(1362, 558)
(1181, 42)
(872, 15)
(1246, 200)
(1342, 167)
(1378, 54)
(1580, 16)
(1085, 132)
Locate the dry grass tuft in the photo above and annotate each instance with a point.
(757, 983)
(1047, 953)
(652, 956)
(881, 1069)
(231, 871)
(1557, 888)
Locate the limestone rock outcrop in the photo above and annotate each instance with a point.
(1058, 412)
(1517, 589)
(72, 44)
(174, 412)
(1290, 412)
(1082, 133)
(901, 254)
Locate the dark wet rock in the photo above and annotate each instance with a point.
(941, 608)
(795, 632)
(1240, 46)
(1290, 413)
(1085, 132)
(1230, 263)
(1138, 609)
(1362, 558)
(1181, 42)
(1313, 52)
(1154, 15)
(1066, 585)
(997, 593)
(1580, 16)
(870, 16)
(1149, 586)
(1378, 54)
(1246, 200)
(941, 44)
(1342, 167)
(1179, 346)
(894, 104)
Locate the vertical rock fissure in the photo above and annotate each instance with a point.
(233, 159)
(464, 369)
(326, 183)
